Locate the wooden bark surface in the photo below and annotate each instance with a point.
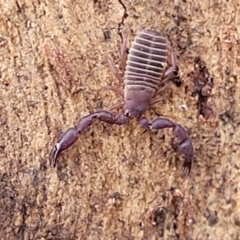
(116, 182)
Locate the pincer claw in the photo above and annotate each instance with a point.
(186, 168)
(66, 141)
(54, 154)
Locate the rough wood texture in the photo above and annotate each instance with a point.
(116, 182)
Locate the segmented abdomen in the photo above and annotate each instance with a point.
(147, 60)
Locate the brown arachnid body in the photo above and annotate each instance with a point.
(150, 63)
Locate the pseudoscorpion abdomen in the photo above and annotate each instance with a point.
(147, 60)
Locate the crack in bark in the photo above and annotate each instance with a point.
(125, 15)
